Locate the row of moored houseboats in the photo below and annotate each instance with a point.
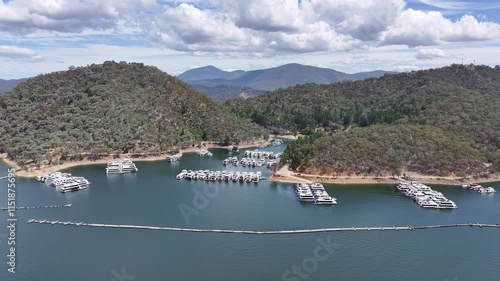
(247, 162)
(65, 182)
(425, 197)
(315, 193)
(479, 188)
(121, 167)
(262, 154)
(227, 176)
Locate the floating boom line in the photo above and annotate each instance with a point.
(34, 207)
(302, 231)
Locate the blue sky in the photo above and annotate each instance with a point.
(483, 9)
(41, 36)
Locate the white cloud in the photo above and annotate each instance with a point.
(265, 15)
(416, 28)
(187, 28)
(363, 20)
(252, 27)
(430, 53)
(16, 52)
(240, 33)
(26, 16)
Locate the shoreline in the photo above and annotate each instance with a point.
(46, 170)
(286, 176)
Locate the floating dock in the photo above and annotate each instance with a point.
(207, 175)
(302, 231)
(35, 207)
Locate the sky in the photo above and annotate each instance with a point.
(42, 36)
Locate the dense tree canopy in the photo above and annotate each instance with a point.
(386, 150)
(461, 103)
(110, 108)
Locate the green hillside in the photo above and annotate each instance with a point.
(110, 108)
(386, 150)
(461, 101)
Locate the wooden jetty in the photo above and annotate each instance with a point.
(300, 231)
(34, 207)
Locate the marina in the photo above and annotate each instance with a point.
(315, 193)
(254, 232)
(425, 197)
(262, 154)
(479, 188)
(65, 182)
(206, 175)
(248, 162)
(121, 167)
(152, 199)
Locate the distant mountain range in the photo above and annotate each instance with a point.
(6, 85)
(222, 85)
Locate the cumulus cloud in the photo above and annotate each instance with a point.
(430, 53)
(265, 15)
(16, 52)
(417, 28)
(250, 27)
(282, 26)
(26, 16)
(187, 28)
(363, 20)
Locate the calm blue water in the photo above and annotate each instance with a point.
(153, 196)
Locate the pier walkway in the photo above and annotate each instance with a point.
(34, 207)
(304, 231)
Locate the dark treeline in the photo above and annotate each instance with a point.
(110, 108)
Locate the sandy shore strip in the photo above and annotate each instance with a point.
(46, 170)
(286, 176)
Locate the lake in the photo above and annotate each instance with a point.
(154, 197)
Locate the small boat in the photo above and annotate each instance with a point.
(325, 200)
(305, 196)
(428, 203)
(490, 190)
(277, 142)
(173, 158)
(447, 204)
(76, 185)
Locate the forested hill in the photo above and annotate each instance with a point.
(110, 108)
(462, 101)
